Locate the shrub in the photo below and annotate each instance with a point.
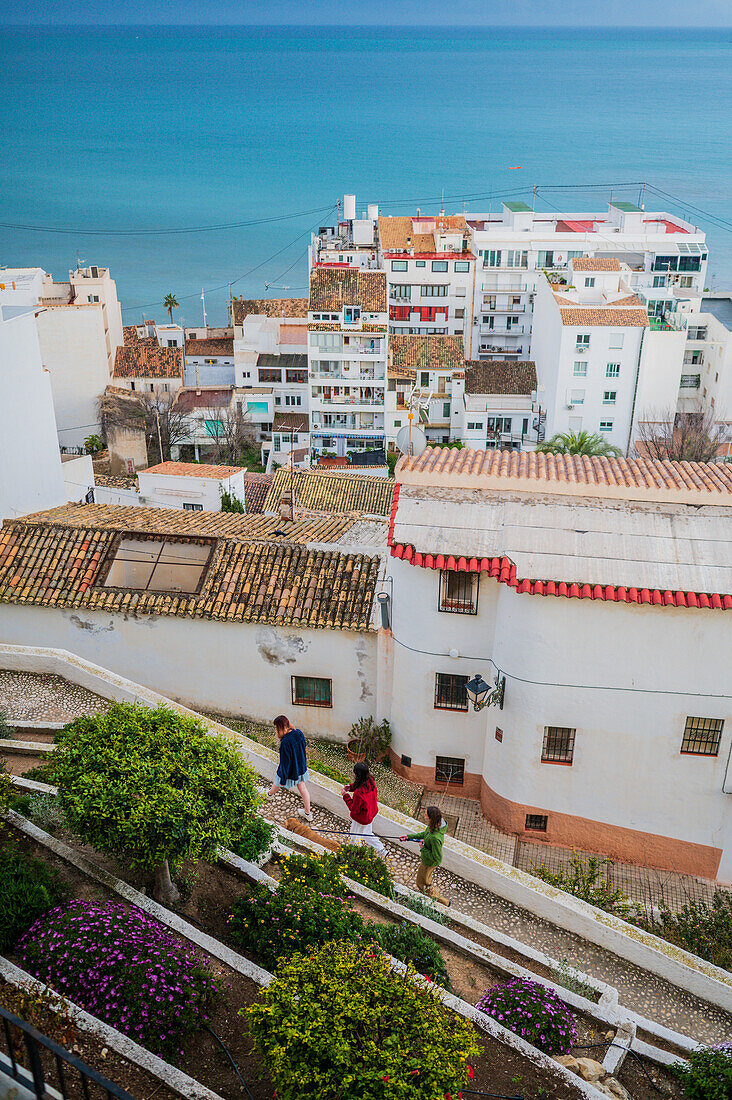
(339, 1022)
(424, 906)
(152, 787)
(411, 944)
(329, 770)
(584, 879)
(373, 737)
(254, 839)
(46, 811)
(535, 1013)
(316, 872)
(5, 730)
(231, 503)
(708, 1073)
(701, 927)
(566, 975)
(362, 863)
(292, 918)
(124, 967)
(27, 889)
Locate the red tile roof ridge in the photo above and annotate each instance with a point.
(192, 469)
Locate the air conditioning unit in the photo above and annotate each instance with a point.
(569, 406)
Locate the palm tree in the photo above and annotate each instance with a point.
(579, 443)
(170, 303)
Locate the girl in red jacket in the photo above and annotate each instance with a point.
(360, 797)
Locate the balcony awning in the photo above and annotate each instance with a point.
(352, 434)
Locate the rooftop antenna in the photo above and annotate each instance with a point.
(203, 299)
(79, 261)
(274, 286)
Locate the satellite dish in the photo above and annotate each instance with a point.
(418, 444)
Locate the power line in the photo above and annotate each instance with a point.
(164, 232)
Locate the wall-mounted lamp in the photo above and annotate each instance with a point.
(482, 694)
(384, 600)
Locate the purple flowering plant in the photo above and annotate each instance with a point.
(124, 967)
(533, 1012)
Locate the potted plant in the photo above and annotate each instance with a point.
(369, 740)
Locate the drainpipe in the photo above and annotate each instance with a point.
(635, 392)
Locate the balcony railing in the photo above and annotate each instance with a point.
(350, 401)
(496, 284)
(690, 381)
(487, 308)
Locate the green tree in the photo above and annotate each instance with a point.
(152, 787)
(231, 503)
(170, 303)
(579, 443)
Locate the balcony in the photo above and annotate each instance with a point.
(669, 322)
(504, 309)
(504, 286)
(346, 401)
(690, 381)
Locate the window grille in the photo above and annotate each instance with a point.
(537, 822)
(312, 691)
(450, 693)
(449, 769)
(702, 736)
(558, 747)
(458, 592)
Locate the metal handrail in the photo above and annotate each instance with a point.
(33, 1079)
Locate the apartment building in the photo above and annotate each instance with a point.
(666, 257)
(706, 379)
(209, 361)
(495, 405)
(423, 367)
(602, 360)
(351, 242)
(79, 323)
(347, 359)
(143, 366)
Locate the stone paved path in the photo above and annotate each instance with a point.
(645, 993)
(43, 697)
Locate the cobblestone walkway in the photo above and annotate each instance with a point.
(42, 697)
(645, 993)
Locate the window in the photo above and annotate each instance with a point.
(616, 339)
(492, 258)
(577, 397)
(697, 332)
(397, 423)
(583, 341)
(450, 693)
(702, 736)
(214, 428)
(580, 368)
(351, 314)
(474, 426)
(545, 258)
(158, 564)
(459, 313)
(606, 425)
(590, 281)
(296, 376)
(419, 263)
(659, 280)
(439, 265)
(558, 747)
(511, 321)
(312, 691)
(537, 822)
(462, 265)
(458, 591)
(398, 265)
(401, 290)
(172, 344)
(461, 291)
(517, 258)
(93, 297)
(609, 396)
(612, 370)
(293, 400)
(445, 409)
(449, 769)
(192, 507)
(437, 290)
(277, 443)
(424, 378)
(268, 374)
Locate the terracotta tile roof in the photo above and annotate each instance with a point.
(256, 487)
(177, 521)
(115, 481)
(268, 307)
(406, 234)
(215, 345)
(193, 469)
(333, 492)
(146, 359)
(323, 326)
(291, 421)
(631, 300)
(293, 360)
(632, 479)
(60, 566)
(595, 263)
(500, 376)
(131, 336)
(409, 353)
(332, 288)
(206, 397)
(593, 316)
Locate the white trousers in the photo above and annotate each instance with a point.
(364, 834)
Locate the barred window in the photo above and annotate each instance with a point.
(449, 769)
(702, 736)
(537, 822)
(558, 747)
(312, 691)
(450, 693)
(458, 592)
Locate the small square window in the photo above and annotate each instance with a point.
(612, 370)
(462, 265)
(577, 397)
(536, 822)
(606, 425)
(616, 339)
(450, 693)
(458, 591)
(558, 746)
(439, 265)
(449, 769)
(609, 397)
(702, 736)
(419, 263)
(398, 265)
(192, 507)
(580, 368)
(312, 691)
(590, 281)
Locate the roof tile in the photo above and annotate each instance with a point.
(332, 492)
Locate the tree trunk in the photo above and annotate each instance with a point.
(166, 892)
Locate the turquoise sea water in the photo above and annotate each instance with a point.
(159, 128)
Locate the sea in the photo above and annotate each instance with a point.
(187, 159)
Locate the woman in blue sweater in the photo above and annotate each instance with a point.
(293, 767)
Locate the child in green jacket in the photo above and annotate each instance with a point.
(430, 843)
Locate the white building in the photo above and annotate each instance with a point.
(169, 335)
(352, 242)
(495, 405)
(347, 357)
(667, 257)
(79, 329)
(603, 362)
(210, 361)
(427, 365)
(31, 478)
(191, 486)
(706, 381)
(600, 591)
(143, 366)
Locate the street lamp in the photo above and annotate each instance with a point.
(482, 695)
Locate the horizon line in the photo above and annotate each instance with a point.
(388, 26)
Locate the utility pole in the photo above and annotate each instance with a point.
(533, 200)
(203, 299)
(160, 441)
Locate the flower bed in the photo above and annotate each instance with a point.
(534, 1012)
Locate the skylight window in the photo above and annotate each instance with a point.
(158, 565)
